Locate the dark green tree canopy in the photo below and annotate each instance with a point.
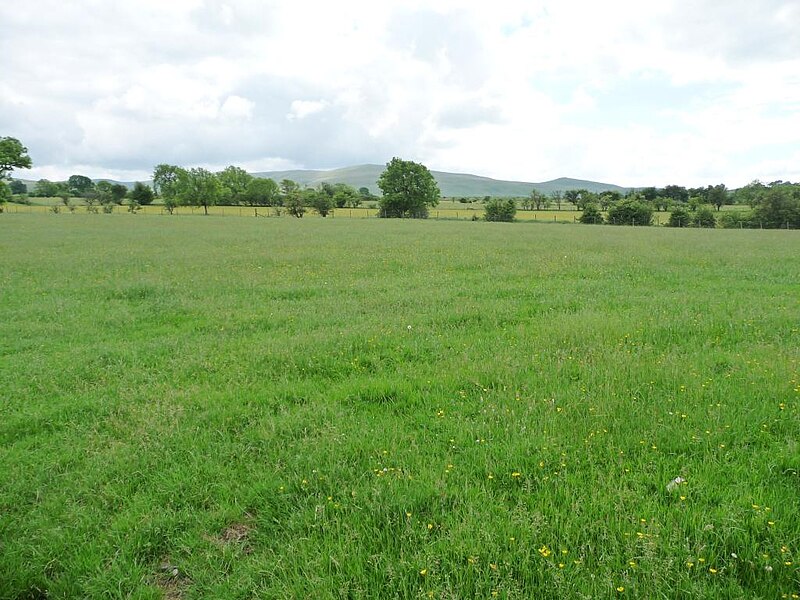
(13, 155)
(141, 194)
(261, 192)
(45, 188)
(18, 187)
(79, 185)
(165, 180)
(409, 189)
(234, 182)
(591, 214)
(198, 187)
(717, 195)
(500, 209)
(630, 211)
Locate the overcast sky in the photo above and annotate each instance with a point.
(623, 91)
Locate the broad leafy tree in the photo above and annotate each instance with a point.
(141, 194)
(409, 190)
(500, 209)
(79, 185)
(679, 217)
(345, 195)
(13, 155)
(18, 187)
(779, 206)
(292, 198)
(676, 193)
(199, 187)
(704, 217)
(630, 211)
(607, 198)
(234, 182)
(262, 192)
(118, 192)
(45, 188)
(717, 195)
(165, 180)
(591, 214)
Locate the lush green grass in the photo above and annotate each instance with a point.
(365, 408)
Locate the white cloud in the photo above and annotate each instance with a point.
(300, 109)
(624, 91)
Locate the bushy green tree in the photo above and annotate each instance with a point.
(630, 211)
(99, 193)
(679, 217)
(233, 181)
(165, 180)
(46, 189)
(608, 198)
(500, 209)
(676, 193)
(779, 206)
(292, 198)
(717, 195)
(261, 192)
(13, 155)
(118, 192)
(79, 185)
(345, 195)
(18, 187)
(321, 202)
(704, 217)
(591, 214)
(409, 190)
(199, 187)
(142, 194)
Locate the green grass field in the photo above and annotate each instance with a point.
(356, 408)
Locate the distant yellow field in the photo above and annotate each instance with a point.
(448, 210)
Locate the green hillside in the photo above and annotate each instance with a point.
(450, 184)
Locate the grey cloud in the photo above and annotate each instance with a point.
(426, 34)
(739, 31)
(468, 114)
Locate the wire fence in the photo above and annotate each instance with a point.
(466, 214)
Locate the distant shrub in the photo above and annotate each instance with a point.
(498, 209)
(630, 212)
(704, 217)
(679, 217)
(736, 219)
(591, 215)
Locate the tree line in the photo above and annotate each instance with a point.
(234, 186)
(409, 190)
(771, 205)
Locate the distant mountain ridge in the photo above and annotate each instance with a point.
(451, 185)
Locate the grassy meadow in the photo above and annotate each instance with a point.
(205, 407)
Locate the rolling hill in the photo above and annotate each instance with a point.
(451, 184)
